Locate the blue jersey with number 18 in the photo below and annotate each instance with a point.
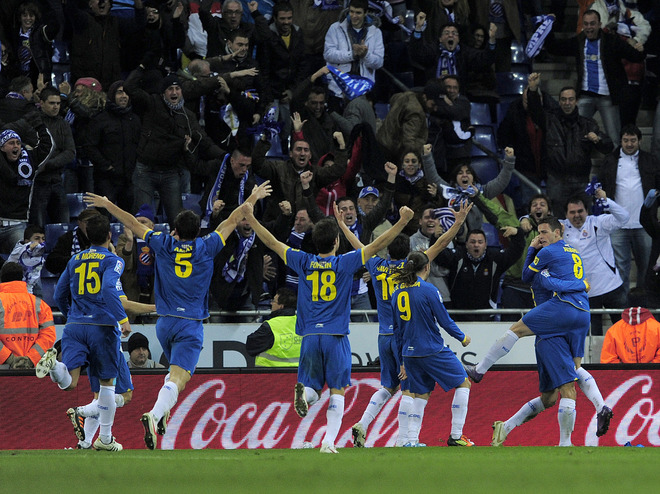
(324, 290)
(183, 273)
(381, 277)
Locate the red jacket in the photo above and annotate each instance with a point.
(27, 328)
(634, 339)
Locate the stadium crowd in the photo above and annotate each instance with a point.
(165, 105)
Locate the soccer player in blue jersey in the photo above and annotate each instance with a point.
(418, 310)
(88, 294)
(182, 281)
(324, 290)
(381, 271)
(85, 419)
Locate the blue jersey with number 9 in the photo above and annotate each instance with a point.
(183, 273)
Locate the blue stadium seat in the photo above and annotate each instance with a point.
(48, 284)
(510, 83)
(55, 231)
(406, 78)
(191, 201)
(492, 235)
(485, 136)
(76, 204)
(162, 227)
(381, 109)
(520, 62)
(480, 114)
(485, 168)
(116, 229)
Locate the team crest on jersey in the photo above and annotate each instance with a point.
(119, 267)
(118, 286)
(486, 272)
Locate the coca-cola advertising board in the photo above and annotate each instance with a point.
(254, 410)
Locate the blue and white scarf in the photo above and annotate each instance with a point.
(215, 190)
(234, 269)
(417, 176)
(447, 62)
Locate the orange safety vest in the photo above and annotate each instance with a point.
(27, 328)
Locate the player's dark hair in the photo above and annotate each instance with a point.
(400, 247)
(287, 297)
(631, 130)
(575, 199)
(324, 234)
(11, 271)
(553, 222)
(47, 92)
(539, 196)
(415, 262)
(475, 231)
(31, 230)
(98, 227)
(592, 12)
(281, 7)
(457, 168)
(187, 224)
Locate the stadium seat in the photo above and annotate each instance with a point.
(509, 83)
(492, 235)
(406, 78)
(55, 231)
(116, 229)
(162, 227)
(486, 168)
(484, 135)
(48, 284)
(480, 114)
(191, 201)
(381, 109)
(76, 204)
(520, 62)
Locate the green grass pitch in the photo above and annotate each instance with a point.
(377, 470)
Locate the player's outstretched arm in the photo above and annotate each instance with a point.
(405, 215)
(350, 236)
(127, 219)
(133, 308)
(445, 239)
(229, 225)
(269, 240)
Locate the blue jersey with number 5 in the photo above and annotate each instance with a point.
(88, 290)
(183, 273)
(564, 263)
(324, 290)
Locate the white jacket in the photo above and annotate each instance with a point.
(338, 51)
(640, 26)
(593, 242)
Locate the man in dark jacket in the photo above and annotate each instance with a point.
(601, 75)
(49, 204)
(170, 141)
(570, 139)
(219, 29)
(447, 55)
(70, 243)
(285, 175)
(111, 145)
(475, 270)
(627, 175)
(18, 168)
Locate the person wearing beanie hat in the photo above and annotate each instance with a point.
(89, 82)
(170, 140)
(139, 356)
(19, 167)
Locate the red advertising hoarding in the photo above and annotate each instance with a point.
(228, 411)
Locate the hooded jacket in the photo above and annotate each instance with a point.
(635, 339)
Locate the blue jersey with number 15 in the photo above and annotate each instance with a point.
(183, 273)
(324, 290)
